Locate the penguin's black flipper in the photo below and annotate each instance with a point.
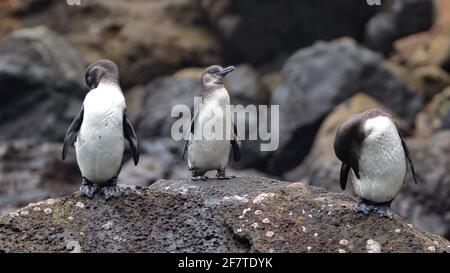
(191, 132)
(408, 157)
(345, 169)
(130, 135)
(236, 145)
(72, 132)
(355, 168)
(186, 143)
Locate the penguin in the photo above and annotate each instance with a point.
(374, 153)
(204, 152)
(98, 132)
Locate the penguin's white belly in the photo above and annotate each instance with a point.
(100, 142)
(212, 152)
(208, 155)
(382, 167)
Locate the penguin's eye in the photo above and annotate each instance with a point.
(215, 71)
(89, 80)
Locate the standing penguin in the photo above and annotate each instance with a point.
(208, 150)
(372, 150)
(99, 131)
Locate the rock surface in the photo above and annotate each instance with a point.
(41, 85)
(404, 17)
(427, 204)
(241, 215)
(430, 47)
(248, 35)
(433, 79)
(145, 39)
(438, 109)
(30, 172)
(160, 96)
(246, 87)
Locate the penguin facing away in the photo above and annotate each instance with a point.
(209, 152)
(98, 132)
(373, 152)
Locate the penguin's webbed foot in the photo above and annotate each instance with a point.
(383, 210)
(363, 206)
(197, 176)
(225, 177)
(222, 176)
(110, 190)
(87, 189)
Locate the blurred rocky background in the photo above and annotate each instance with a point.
(321, 61)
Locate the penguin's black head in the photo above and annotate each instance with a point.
(101, 70)
(213, 76)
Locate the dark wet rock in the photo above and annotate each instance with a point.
(30, 172)
(241, 215)
(154, 118)
(245, 27)
(246, 87)
(122, 32)
(149, 170)
(133, 98)
(272, 81)
(434, 116)
(446, 121)
(403, 18)
(41, 85)
(381, 32)
(167, 150)
(318, 78)
(425, 205)
(161, 159)
(413, 16)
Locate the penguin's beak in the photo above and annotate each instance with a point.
(226, 70)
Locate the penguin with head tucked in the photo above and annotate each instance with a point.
(99, 130)
(373, 152)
